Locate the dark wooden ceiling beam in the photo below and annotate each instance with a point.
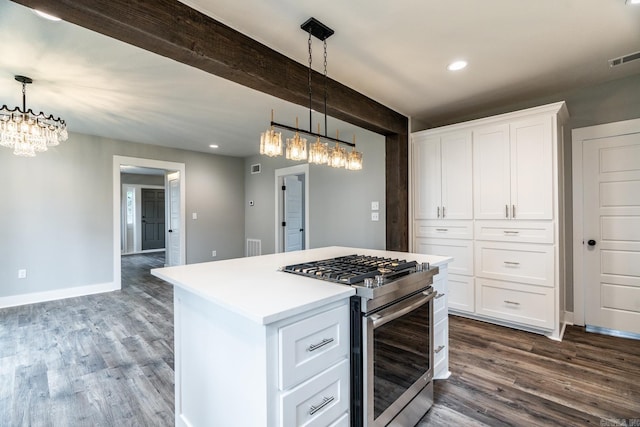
(176, 31)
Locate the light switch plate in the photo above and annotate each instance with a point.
(375, 206)
(375, 216)
(194, 215)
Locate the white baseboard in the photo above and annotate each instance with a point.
(35, 297)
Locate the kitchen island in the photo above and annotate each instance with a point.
(242, 334)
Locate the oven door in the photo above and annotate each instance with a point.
(398, 356)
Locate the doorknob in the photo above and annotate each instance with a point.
(170, 231)
(301, 230)
(591, 242)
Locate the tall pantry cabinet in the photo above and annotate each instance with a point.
(488, 192)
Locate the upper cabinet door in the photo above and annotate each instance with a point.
(532, 168)
(491, 172)
(427, 179)
(457, 177)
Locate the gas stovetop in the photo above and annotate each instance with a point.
(353, 269)
(377, 280)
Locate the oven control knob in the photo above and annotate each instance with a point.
(379, 280)
(368, 282)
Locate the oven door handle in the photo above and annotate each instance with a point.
(400, 309)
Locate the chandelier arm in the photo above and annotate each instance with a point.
(317, 135)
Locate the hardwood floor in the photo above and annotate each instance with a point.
(503, 377)
(107, 360)
(99, 360)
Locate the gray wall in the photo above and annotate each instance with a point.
(613, 101)
(339, 200)
(57, 215)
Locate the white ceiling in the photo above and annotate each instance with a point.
(393, 52)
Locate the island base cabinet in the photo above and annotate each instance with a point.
(529, 305)
(317, 402)
(230, 371)
(462, 293)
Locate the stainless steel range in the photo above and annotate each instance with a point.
(391, 335)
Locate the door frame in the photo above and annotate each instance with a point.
(279, 176)
(579, 137)
(116, 206)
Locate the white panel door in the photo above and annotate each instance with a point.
(532, 169)
(491, 172)
(457, 177)
(293, 215)
(173, 230)
(611, 175)
(426, 156)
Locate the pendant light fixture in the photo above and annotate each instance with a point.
(26, 132)
(296, 147)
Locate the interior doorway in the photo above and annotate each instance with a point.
(606, 174)
(172, 223)
(292, 208)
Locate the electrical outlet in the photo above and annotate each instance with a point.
(375, 216)
(375, 206)
(194, 215)
(22, 274)
(214, 254)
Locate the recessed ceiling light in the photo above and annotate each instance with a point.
(456, 65)
(46, 16)
(633, 1)
(213, 146)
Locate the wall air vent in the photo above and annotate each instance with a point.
(256, 169)
(624, 59)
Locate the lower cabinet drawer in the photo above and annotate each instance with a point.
(460, 250)
(516, 302)
(454, 229)
(462, 293)
(343, 421)
(518, 262)
(515, 231)
(319, 401)
(311, 345)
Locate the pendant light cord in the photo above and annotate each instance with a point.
(310, 122)
(24, 97)
(325, 87)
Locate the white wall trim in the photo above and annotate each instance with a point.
(117, 215)
(279, 173)
(579, 137)
(36, 297)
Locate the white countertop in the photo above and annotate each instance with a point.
(254, 288)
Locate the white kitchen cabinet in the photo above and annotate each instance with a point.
(442, 167)
(508, 262)
(441, 324)
(513, 170)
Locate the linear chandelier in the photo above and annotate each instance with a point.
(318, 152)
(26, 132)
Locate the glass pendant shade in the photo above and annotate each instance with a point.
(318, 153)
(271, 143)
(354, 160)
(337, 157)
(296, 148)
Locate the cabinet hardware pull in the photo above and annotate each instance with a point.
(511, 263)
(325, 402)
(511, 232)
(443, 212)
(513, 211)
(442, 229)
(314, 347)
(439, 349)
(439, 295)
(512, 302)
(506, 211)
(438, 211)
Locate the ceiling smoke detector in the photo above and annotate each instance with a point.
(624, 59)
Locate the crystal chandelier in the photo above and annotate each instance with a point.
(296, 147)
(26, 132)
